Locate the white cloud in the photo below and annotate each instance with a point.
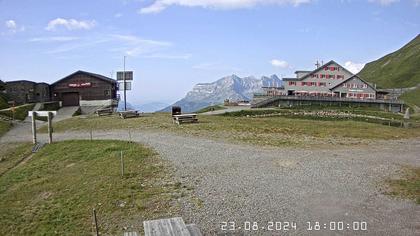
(53, 39)
(136, 46)
(70, 24)
(384, 2)
(160, 5)
(11, 24)
(279, 63)
(118, 15)
(13, 27)
(353, 67)
(87, 43)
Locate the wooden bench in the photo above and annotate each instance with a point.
(185, 118)
(104, 112)
(170, 227)
(128, 114)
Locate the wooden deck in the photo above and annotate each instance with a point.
(170, 227)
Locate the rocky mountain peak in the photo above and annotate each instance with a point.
(230, 87)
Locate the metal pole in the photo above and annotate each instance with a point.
(34, 127)
(50, 127)
(125, 94)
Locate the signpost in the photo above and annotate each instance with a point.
(124, 76)
(50, 115)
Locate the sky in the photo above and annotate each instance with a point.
(171, 45)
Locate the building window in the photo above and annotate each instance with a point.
(292, 83)
(322, 84)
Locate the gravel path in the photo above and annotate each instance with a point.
(240, 183)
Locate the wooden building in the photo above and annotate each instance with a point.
(24, 91)
(85, 89)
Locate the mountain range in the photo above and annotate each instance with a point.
(230, 87)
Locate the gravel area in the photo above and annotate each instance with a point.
(241, 183)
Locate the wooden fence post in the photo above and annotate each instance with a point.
(34, 127)
(50, 127)
(122, 164)
(95, 220)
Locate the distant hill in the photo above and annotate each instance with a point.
(151, 106)
(396, 70)
(230, 87)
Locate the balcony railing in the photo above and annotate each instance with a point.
(325, 98)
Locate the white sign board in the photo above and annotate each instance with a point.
(128, 75)
(127, 86)
(41, 113)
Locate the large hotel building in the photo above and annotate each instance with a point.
(329, 84)
(330, 79)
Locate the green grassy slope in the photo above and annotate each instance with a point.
(13, 153)
(21, 112)
(211, 108)
(3, 102)
(396, 70)
(412, 97)
(54, 192)
(4, 127)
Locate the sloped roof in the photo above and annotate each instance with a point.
(322, 67)
(98, 76)
(354, 76)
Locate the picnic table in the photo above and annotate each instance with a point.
(128, 114)
(185, 118)
(170, 227)
(104, 111)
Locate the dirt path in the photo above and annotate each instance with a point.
(240, 183)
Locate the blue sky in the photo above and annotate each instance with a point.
(173, 44)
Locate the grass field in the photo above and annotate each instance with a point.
(54, 192)
(272, 131)
(408, 186)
